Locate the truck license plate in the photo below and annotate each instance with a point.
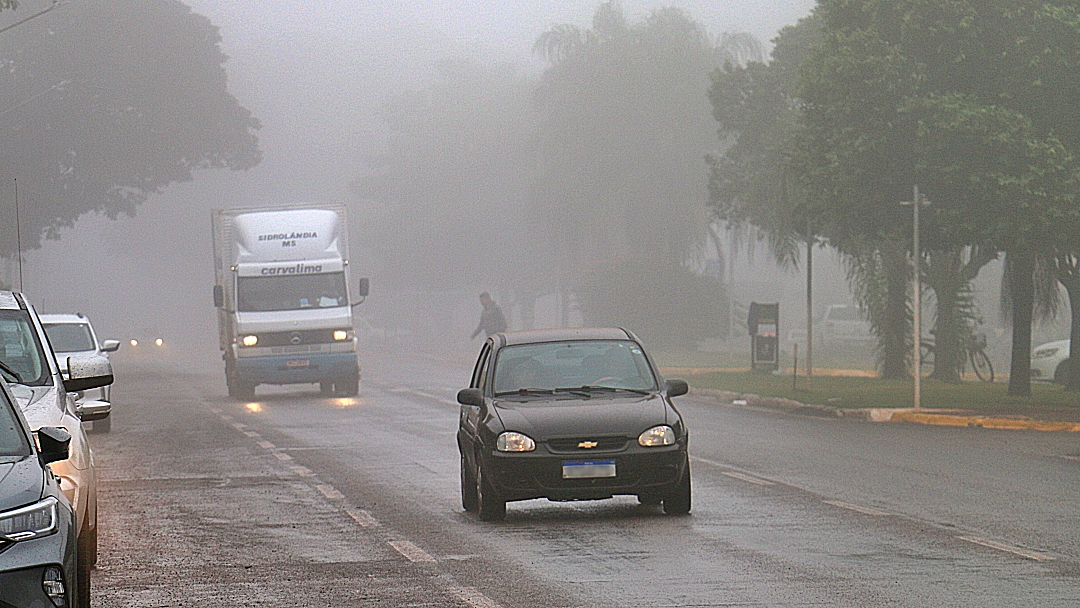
(294, 363)
(588, 468)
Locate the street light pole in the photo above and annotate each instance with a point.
(916, 329)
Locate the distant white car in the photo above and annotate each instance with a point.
(844, 323)
(1048, 361)
(73, 335)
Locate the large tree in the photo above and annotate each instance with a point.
(624, 129)
(104, 103)
(938, 94)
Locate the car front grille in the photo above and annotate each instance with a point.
(576, 445)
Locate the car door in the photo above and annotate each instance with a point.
(470, 414)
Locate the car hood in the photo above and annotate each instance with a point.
(598, 416)
(40, 405)
(21, 483)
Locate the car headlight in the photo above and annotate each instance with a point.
(514, 442)
(657, 436)
(341, 334)
(250, 340)
(34, 521)
(1044, 353)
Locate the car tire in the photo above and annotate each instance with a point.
(469, 499)
(84, 561)
(489, 505)
(650, 500)
(678, 502)
(102, 426)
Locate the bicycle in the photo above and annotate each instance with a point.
(975, 349)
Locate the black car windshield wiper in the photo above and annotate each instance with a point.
(615, 389)
(577, 390)
(4, 367)
(527, 391)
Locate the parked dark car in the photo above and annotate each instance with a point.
(38, 547)
(570, 414)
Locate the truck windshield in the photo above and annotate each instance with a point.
(293, 292)
(20, 351)
(69, 337)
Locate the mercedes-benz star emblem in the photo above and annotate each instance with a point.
(296, 338)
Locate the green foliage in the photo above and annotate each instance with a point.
(9, 4)
(108, 104)
(665, 305)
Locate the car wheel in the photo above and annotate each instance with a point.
(678, 502)
(469, 499)
(84, 561)
(489, 505)
(243, 391)
(649, 499)
(102, 426)
(1061, 374)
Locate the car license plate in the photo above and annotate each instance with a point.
(292, 363)
(588, 468)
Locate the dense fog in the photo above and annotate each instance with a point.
(468, 163)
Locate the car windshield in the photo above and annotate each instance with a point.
(14, 445)
(69, 337)
(291, 292)
(594, 365)
(20, 351)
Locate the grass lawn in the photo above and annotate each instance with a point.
(1047, 401)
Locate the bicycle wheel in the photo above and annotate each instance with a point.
(981, 364)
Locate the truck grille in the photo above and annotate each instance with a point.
(296, 338)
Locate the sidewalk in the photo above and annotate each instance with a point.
(938, 417)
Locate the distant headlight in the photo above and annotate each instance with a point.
(341, 334)
(134, 342)
(1044, 353)
(251, 340)
(34, 521)
(657, 436)
(514, 442)
(159, 342)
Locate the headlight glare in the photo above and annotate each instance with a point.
(514, 442)
(251, 340)
(657, 436)
(34, 521)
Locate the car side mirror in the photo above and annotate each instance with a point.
(93, 410)
(676, 388)
(219, 296)
(110, 346)
(471, 396)
(86, 373)
(53, 443)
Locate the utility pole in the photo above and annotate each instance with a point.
(809, 304)
(916, 329)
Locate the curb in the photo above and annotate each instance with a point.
(929, 417)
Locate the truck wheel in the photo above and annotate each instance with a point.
(348, 387)
(102, 426)
(243, 391)
(326, 387)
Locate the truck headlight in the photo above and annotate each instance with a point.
(657, 436)
(514, 442)
(341, 334)
(250, 340)
(34, 521)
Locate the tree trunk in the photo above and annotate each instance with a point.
(943, 276)
(895, 340)
(1022, 288)
(1072, 287)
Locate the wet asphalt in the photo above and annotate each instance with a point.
(299, 500)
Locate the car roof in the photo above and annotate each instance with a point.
(56, 317)
(9, 301)
(561, 335)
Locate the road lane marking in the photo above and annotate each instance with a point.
(435, 397)
(851, 507)
(330, 492)
(473, 597)
(282, 456)
(240, 426)
(1032, 555)
(252, 434)
(301, 470)
(411, 551)
(362, 517)
(216, 410)
(225, 417)
(747, 478)
(264, 444)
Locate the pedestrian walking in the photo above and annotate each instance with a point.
(492, 320)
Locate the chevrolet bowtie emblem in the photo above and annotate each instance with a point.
(587, 445)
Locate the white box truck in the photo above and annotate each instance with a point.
(283, 299)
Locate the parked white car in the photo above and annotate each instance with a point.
(843, 323)
(1047, 361)
(72, 335)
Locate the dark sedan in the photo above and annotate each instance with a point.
(570, 414)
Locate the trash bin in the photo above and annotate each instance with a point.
(763, 321)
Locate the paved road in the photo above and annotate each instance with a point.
(297, 500)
